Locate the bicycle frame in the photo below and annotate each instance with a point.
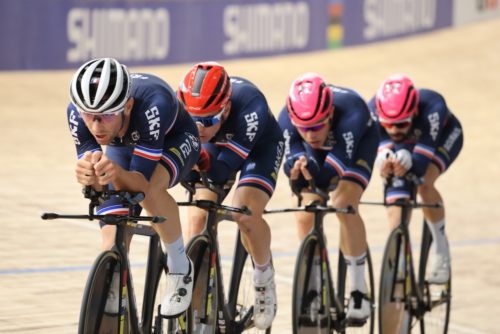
(337, 312)
(126, 228)
(225, 316)
(417, 304)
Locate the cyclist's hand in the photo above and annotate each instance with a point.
(85, 170)
(399, 169)
(382, 157)
(203, 162)
(386, 168)
(405, 158)
(105, 168)
(295, 170)
(308, 167)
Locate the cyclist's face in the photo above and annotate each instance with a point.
(398, 134)
(105, 131)
(208, 132)
(316, 139)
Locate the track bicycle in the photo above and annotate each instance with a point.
(211, 311)
(109, 303)
(405, 301)
(316, 308)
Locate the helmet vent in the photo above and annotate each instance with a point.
(328, 101)
(198, 81)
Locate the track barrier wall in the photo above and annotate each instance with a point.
(62, 34)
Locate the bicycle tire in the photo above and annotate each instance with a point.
(395, 287)
(246, 294)
(311, 296)
(344, 292)
(94, 319)
(437, 297)
(159, 324)
(198, 319)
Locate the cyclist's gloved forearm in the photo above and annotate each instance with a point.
(418, 168)
(219, 171)
(300, 182)
(312, 165)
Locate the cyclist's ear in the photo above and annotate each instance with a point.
(228, 109)
(128, 106)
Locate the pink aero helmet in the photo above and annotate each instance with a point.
(396, 99)
(309, 99)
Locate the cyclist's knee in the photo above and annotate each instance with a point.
(342, 201)
(304, 220)
(426, 189)
(197, 221)
(154, 196)
(347, 193)
(247, 224)
(108, 237)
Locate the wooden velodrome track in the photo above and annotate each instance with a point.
(44, 264)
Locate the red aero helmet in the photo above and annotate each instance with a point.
(396, 99)
(205, 88)
(309, 99)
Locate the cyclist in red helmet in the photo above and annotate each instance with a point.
(238, 133)
(418, 134)
(331, 138)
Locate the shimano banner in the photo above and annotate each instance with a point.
(45, 34)
(375, 20)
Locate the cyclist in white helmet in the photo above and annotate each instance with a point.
(152, 142)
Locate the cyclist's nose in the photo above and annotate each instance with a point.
(201, 128)
(96, 124)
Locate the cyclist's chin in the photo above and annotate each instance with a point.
(398, 138)
(315, 143)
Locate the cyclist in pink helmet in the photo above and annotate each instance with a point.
(418, 134)
(309, 99)
(396, 99)
(331, 138)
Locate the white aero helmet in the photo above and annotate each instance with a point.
(101, 86)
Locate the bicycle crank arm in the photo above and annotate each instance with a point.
(245, 323)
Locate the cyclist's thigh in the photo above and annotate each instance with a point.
(361, 166)
(260, 169)
(180, 152)
(449, 146)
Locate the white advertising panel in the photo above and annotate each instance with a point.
(466, 11)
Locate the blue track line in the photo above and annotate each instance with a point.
(460, 243)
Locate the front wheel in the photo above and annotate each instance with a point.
(99, 312)
(311, 290)
(395, 286)
(344, 292)
(437, 297)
